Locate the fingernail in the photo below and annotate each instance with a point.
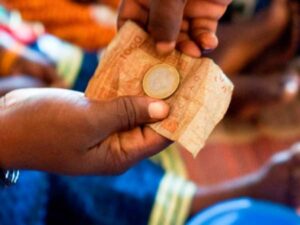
(206, 51)
(165, 47)
(209, 41)
(290, 88)
(158, 110)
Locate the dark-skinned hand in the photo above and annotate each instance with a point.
(189, 25)
(62, 131)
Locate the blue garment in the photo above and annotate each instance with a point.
(25, 203)
(124, 200)
(88, 66)
(39, 198)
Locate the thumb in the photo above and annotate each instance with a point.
(165, 19)
(126, 113)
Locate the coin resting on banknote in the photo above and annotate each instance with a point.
(161, 81)
(195, 88)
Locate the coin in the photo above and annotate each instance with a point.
(161, 81)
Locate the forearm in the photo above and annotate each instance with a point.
(207, 196)
(34, 123)
(16, 132)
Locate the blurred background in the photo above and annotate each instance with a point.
(58, 43)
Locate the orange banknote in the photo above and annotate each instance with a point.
(199, 103)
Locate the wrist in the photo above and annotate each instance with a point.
(207, 196)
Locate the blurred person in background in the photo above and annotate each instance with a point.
(29, 50)
(262, 59)
(18, 71)
(266, 34)
(21, 67)
(64, 190)
(90, 26)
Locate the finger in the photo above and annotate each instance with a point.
(126, 113)
(213, 10)
(184, 26)
(206, 40)
(132, 10)
(165, 18)
(203, 32)
(147, 143)
(123, 150)
(202, 24)
(187, 46)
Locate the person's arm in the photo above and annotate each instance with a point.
(208, 196)
(30, 63)
(276, 181)
(253, 93)
(62, 131)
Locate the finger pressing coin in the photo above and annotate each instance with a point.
(161, 81)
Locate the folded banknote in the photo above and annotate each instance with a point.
(197, 104)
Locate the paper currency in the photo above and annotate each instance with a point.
(199, 103)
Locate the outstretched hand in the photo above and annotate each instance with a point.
(62, 131)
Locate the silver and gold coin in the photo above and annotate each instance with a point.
(161, 81)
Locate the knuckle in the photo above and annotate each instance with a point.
(165, 19)
(126, 113)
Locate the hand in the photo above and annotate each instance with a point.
(188, 24)
(254, 93)
(279, 179)
(43, 71)
(62, 131)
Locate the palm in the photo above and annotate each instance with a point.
(123, 149)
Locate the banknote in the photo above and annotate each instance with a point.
(199, 103)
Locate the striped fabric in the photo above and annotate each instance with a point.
(70, 64)
(175, 193)
(170, 159)
(173, 201)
